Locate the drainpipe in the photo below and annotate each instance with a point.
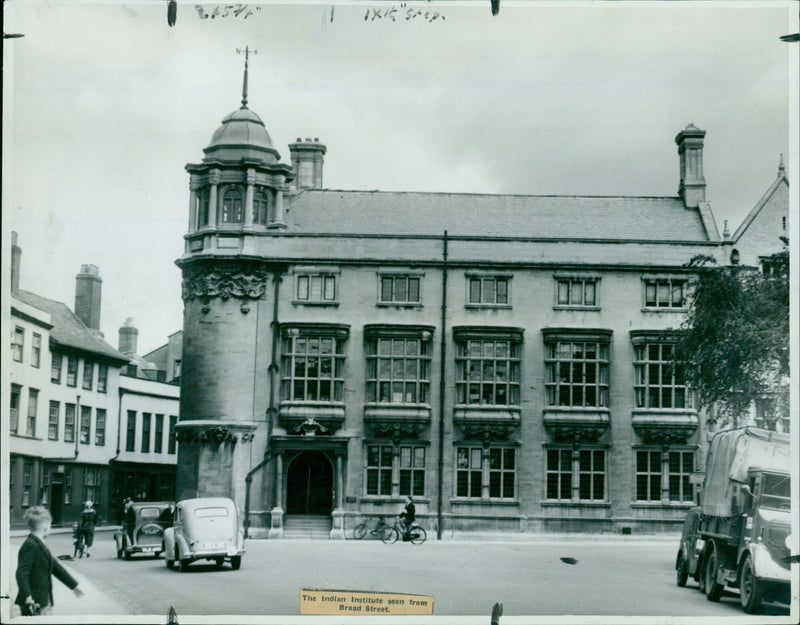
(442, 363)
(272, 409)
(77, 424)
(119, 423)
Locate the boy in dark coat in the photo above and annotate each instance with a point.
(36, 566)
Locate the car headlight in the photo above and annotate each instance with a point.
(789, 542)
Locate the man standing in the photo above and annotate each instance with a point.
(36, 566)
(129, 519)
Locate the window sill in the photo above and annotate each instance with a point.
(661, 504)
(664, 411)
(399, 304)
(388, 499)
(576, 307)
(466, 501)
(301, 302)
(651, 309)
(490, 306)
(25, 436)
(575, 504)
(576, 409)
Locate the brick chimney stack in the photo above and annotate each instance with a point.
(307, 159)
(16, 257)
(88, 286)
(692, 186)
(128, 338)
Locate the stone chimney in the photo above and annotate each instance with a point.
(88, 285)
(692, 186)
(16, 257)
(128, 337)
(307, 163)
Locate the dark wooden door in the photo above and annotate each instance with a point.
(309, 484)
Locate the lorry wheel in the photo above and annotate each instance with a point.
(751, 593)
(701, 574)
(682, 571)
(714, 589)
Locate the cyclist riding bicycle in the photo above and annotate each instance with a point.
(86, 525)
(408, 516)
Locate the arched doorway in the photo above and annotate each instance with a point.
(309, 484)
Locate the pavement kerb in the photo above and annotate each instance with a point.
(63, 530)
(465, 537)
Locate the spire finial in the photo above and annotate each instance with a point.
(781, 168)
(726, 234)
(247, 51)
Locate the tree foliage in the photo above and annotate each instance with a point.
(735, 338)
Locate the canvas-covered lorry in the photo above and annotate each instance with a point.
(744, 529)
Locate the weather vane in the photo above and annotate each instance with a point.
(247, 52)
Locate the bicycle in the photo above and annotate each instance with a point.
(416, 534)
(80, 541)
(360, 530)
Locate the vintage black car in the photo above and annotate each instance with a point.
(152, 518)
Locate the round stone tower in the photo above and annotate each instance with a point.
(236, 198)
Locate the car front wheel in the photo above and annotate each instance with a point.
(682, 568)
(236, 562)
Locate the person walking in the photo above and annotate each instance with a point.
(36, 567)
(86, 525)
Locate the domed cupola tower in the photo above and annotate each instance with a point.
(236, 206)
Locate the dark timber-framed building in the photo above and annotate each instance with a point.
(504, 359)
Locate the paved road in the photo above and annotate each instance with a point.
(611, 577)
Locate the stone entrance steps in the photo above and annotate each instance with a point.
(307, 526)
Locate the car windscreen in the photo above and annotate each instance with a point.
(149, 513)
(201, 513)
(776, 492)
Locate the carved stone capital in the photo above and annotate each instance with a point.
(487, 423)
(246, 281)
(576, 434)
(397, 430)
(217, 435)
(665, 436)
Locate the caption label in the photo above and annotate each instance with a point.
(359, 602)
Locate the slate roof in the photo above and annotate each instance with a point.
(68, 330)
(528, 216)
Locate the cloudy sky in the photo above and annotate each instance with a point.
(105, 104)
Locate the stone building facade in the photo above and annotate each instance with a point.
(503, 359)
